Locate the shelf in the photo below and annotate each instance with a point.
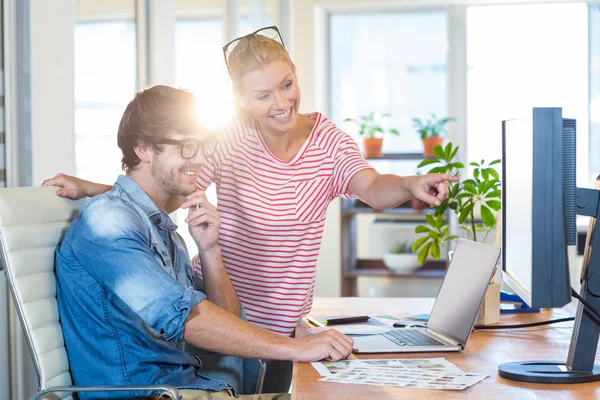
(407, 212)
(376, 267)
(401, 156)
(420, 273)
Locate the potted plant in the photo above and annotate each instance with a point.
(370, 127)
(432, 131)
(401, 258)
(482, 193)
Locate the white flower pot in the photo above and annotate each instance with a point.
(402, 263)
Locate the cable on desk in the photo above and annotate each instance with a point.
(585, 303)
(552, 321)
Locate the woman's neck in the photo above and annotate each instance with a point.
(285, 145)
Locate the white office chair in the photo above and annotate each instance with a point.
(33, 221)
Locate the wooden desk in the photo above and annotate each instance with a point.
(484, 352)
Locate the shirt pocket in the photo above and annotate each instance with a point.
(161, 253)
(312, 198)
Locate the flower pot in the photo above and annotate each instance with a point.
(489, 313)
(372, 147)
(418, 204)
(404, 263)
(429, 144)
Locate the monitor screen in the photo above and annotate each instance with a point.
(538, 218)
(518, 205)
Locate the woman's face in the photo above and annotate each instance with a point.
(272, 95)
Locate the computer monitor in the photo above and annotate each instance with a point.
(538, 207)
(540, 201)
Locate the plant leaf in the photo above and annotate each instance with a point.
(458, 165)
(494, 204)
(494, 162)
(419, 242)
(469, 187)
(474, 164)
(453, 154)
(494, 173)
(430, 220)
(422, 229)
(438, 151)
(435, 250)
(439, 221)
(437, 170)
(485, 174)
(447, 151)
(427, 162)
(465, 213)
(487, 217)
(395, 132)
(423, 253)
(494, 193)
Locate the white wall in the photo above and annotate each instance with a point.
(52, 88)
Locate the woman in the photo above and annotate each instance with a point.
(276, 171)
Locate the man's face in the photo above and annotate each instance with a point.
(175, 174)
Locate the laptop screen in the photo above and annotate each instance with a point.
(463, 289)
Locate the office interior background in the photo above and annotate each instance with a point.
(69, 68)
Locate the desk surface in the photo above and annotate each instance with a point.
(484, 352)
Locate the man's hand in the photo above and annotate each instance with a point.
(330, 345)
(203, 220)
(70, 186)
(430, 188)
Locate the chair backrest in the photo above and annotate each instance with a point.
(33, 221)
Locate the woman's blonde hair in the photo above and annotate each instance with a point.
(253, 53)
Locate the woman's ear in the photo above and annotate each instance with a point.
(144, 152)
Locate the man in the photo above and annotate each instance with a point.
(128, 297)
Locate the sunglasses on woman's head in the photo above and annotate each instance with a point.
(240, 44)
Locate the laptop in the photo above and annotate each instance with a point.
(454, 311)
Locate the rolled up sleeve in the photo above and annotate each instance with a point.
(111, 242)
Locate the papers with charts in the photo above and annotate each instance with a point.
(432, 373)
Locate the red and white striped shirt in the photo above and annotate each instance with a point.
(273, 215)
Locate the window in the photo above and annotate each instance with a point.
(389, 63)
(105, 82)
(513, 68)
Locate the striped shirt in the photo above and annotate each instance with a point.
(273, 214)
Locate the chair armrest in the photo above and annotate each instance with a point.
(261, 377)
(168, 390)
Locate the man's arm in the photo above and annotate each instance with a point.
(384, 191)
(211, 328)
(76, 188)
(204, 224)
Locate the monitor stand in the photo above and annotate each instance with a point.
(514, 308)
(579, 366)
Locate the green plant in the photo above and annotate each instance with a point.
(402, 247)
(432, 126)
(482, 191)
(370, 125)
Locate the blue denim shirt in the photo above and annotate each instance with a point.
(123, 299)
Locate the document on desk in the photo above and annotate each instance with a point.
(364, 374)
(328, 368)
(424, 373)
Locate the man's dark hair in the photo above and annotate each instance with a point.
(152, 115)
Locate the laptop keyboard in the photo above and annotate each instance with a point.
(411, 337)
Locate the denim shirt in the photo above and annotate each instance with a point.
(123, 299)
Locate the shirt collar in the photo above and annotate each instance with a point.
(138, 196)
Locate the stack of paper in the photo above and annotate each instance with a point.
(431, 373)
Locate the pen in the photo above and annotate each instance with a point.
(346, 320)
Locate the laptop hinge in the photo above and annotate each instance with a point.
(445, 338)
